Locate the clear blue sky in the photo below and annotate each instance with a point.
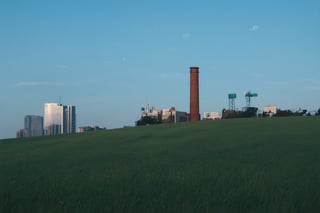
(110, 58)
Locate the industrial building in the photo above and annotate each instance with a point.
(171, 115)
(153, 112)
(156, 116)
(212, 115)
(270, 110)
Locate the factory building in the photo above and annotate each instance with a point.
(157, 116)
(171, 115)
(270, 110)
(212, 115)
(152, 113)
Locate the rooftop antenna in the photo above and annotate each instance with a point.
(147, 107)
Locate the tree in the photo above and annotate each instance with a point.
(148, 120)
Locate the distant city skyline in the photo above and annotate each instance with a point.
(110, 58)
(57, 119)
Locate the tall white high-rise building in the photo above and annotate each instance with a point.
(59, 119)
(53, 118)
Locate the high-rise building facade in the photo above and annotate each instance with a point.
(33, 125)
(53, 118)
(59, 119)
(69, 119)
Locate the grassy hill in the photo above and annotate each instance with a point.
(239, 165)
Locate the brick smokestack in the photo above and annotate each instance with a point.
(194, 94)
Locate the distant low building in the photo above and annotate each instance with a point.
(171, 115)
(247, 112)
(156, 116)
(89, 129)
(21, 133)
(212, 115)
(270, 110)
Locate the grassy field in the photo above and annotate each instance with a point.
(239, 165)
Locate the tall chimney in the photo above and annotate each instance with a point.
(194, 94)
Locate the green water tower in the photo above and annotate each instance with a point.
(232, 101)
(248, 95)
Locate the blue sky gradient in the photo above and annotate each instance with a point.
(110, 58)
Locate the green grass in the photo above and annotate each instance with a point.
(239, 165)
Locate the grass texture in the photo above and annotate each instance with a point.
(238, 165)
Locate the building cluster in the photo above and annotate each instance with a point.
(157, 116)
(58, 119)
(273, 111)
(268, 111)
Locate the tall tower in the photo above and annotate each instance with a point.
(69, 119)
(248, 96)
(194, 94)
(232, 104)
